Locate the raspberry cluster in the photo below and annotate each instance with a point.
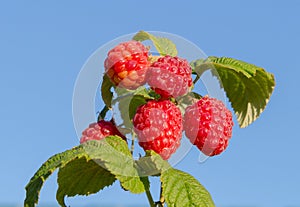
(159, 123)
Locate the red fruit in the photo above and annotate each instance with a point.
(158, 125)
(170, 76)
(208, 125)
(100, 130)
(126, 64)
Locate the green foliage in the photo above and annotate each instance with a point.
(106, 93)
(128, 101)
(94, 165)
(187, 100)
(163, 45)
(82, 177)
(183, 190)
(59, 160)
(179, 188)
(113, 158)
(247, 86)
(117, 159)
(160, 164)
(136, 101)
(151, 164)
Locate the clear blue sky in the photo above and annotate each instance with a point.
(44, 44)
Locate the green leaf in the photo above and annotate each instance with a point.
(106, 91)
(117, 159)
(129, 101)
(179, 188)
(247, 86)
(111, 153)
(122, 103)
(161, 165)
(184, 101)
(136, 101)
(183, 190)
(147, 167)
(163, 45)
(34, 186)
(82, 177)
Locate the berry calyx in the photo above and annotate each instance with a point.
(208, 125)
(100, 130)
(158, 125)
(127, 63)
(170, 76)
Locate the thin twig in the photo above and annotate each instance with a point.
(132, 143)
(162, 199)
(196, 79)
(150, 198)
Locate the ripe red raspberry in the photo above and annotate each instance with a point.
(170, 76)
(127, 63)
(208, 125)
(158, 125)
(100, 130)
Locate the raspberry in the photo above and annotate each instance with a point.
(100, 130)
(170, 76)
(208, 125)
(126, 64)
(158, 125)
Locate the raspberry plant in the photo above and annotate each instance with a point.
(158, 103)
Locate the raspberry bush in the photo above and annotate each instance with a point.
(157, 97)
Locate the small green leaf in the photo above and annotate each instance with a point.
(106, 91)
(82, 177)
(179, 188)
(163, 45)
(136, 101)
(152, 164)
(247, 86)
(34, 186)
(183, 190)
(129, 101)
(184, 101)
(146, 167)
(161, 165)
(122, 104)
(117, 159)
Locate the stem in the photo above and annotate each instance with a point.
(162, 199)
(196, 79)
(150, 198)
(132, 143)
(103, 112)
(161, 202)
